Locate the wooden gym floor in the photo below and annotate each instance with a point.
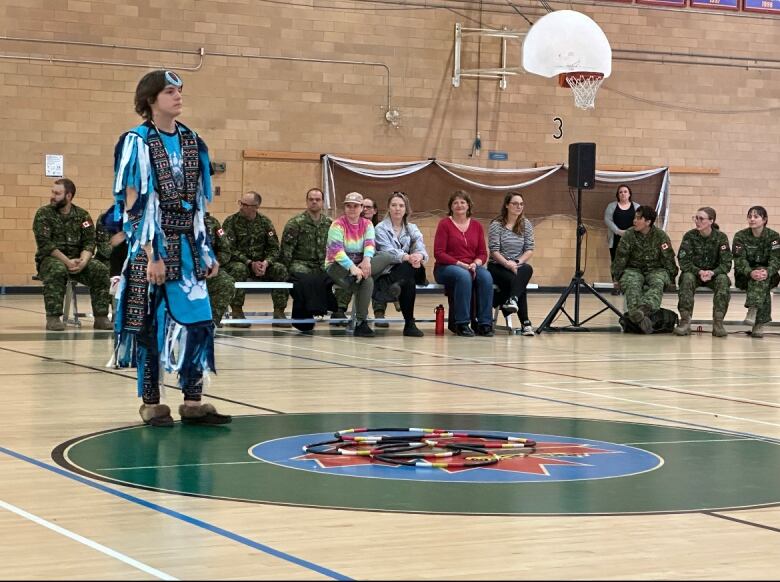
(196, 503)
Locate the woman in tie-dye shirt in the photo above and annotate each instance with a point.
(348, 258)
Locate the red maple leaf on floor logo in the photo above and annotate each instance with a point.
(533, 461)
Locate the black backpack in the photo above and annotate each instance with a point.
(664, 321)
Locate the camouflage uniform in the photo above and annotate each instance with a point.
(700, 253)
(644, 265)
(751, 252)
(70, 234)
(254, 240)
(303, 250)
(102, 242)
(222, 287)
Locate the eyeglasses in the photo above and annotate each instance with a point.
(700, 218)
(249, 205)
(371, 206)
(517, 204)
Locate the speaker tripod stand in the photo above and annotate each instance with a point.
(576, 286)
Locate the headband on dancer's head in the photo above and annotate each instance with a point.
(172, 78)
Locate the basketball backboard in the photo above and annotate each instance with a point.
(566, 41)
(573, 47)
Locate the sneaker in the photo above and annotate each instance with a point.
(363, 330)
(750, 318)
(510, 306)
(380, 314)
(485, 330)
(54, 323)
(411, 330)
(338, 315)
(527, 328)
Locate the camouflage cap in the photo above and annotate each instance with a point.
(353, 198)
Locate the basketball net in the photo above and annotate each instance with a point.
(584, 86)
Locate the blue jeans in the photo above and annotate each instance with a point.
(460, 286)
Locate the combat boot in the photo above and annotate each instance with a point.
(54, 323)
(279, 314)
(717, 325)
(758, 330)
(102, 322)
(238, 313)
(750, 318)
(684, 325)
(380, 314)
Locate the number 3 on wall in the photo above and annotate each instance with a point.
(558, 130)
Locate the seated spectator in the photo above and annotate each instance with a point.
(511, 245)
(111, 241)
(644, 265)
(255, 250)
(400, 253)
(303, 245)
(348, 257)
(619, 217)
(65, 237)
(460, 253)
(221, 287)
(705, 261)
(756, 264)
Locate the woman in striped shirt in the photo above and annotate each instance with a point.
(511, 245)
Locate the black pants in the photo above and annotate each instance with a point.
(404, 274)
(613, 249)
(511, 285)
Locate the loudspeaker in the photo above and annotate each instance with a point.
(582, 165)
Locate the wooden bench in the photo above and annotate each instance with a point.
(430, 288)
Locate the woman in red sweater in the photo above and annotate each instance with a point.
(460, 252)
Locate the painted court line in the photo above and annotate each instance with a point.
(177, 466)
(696, 441)
(87, 542)
(654, 404)
(181, 517)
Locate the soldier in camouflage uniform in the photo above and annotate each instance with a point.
(110, 242)
(221, 287)
(303, 244)
(65, 236)
(756, 264)
(705, 260)
(644, 264)
(255, 251)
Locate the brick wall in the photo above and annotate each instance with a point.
(243, 102)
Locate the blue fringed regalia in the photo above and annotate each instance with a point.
(164, 327)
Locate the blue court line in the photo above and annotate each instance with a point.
(180, 516)
(767, 439)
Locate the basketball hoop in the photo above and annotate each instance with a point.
(584, 85)
(571, 46)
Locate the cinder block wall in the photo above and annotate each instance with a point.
(647, 114)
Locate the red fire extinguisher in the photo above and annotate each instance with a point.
(439, 312)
